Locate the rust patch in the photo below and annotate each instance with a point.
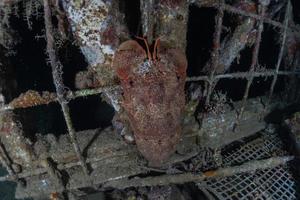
(55, 196)
(209, 173)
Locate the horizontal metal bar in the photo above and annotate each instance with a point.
(247, 167)
(266, 20)
(39, 171)
(70, 95)
(87, 92)
(238, 75)
(243, 75)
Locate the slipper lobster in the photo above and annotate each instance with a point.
(152, 79)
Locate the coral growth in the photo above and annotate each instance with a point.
(32, 98)
(98, 28)
(12, 137)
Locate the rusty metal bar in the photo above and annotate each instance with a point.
(266, 20)
(70, 95)
(243, 75)
(228, 171)
(71, 130)
(286, 22)
(58, 82)
(87, 92)
(38, 171)
(5, 162)
(234, 10)
(247, 167)
(53, 172)
(216, 49)
(255, 53)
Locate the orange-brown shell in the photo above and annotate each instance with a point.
(154, 98)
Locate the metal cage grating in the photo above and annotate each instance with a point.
(263, 183)
(265, 146)
(274, 183)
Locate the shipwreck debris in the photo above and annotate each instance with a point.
(101, 158)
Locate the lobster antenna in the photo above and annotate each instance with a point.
(155, 51)
(147, 46)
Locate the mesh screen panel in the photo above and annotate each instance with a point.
(275, 183)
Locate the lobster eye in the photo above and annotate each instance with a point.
(131, 82)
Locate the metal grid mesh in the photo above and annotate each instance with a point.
(64, 96)
(266, 146)
(274, 183)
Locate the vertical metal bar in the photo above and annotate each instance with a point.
(148, 15)
(5, 162)
(54, 173)
(216, 49)
(255, 53)
(286, 22)
(58, 82)
(71, 130)
(207, 194)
